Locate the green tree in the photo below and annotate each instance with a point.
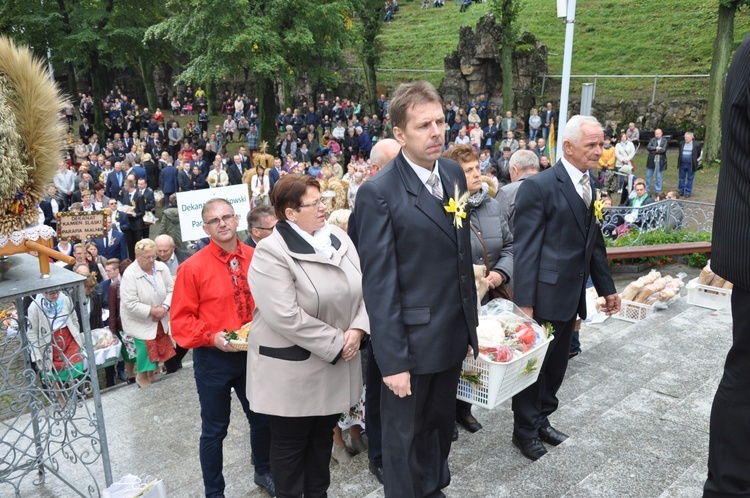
(506, 12)
(723, 46)
(276, 42)
(91, 38)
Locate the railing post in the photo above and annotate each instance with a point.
(653, 94)
(593, 94)
(544, 82)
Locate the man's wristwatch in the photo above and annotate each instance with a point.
(165, 306)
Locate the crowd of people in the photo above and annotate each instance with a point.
(316, 364)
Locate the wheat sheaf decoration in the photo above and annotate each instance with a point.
(32, 136)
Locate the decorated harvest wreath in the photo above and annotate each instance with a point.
(32, 136)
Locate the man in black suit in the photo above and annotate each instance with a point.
(549, 116)
(130, 197)
(113, 244)
(115, 181)
(421, 335)
(728, 452)
(260, 223)
(149, 203)
(235, 171)
(557, 246)
(85, 130)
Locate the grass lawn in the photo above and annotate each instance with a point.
(704, 184)
(611, 37)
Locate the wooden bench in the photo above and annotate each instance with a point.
(658, 250)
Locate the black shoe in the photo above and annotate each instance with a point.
(533, 449)
(455, 433)
(551, 435)
(468, 422)
(573, 354)
(266, 481)
(377, 472)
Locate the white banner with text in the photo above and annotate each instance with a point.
(191, 203)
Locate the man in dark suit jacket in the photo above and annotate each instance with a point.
(557, 246)
(549, 116)
(149, 203)
(235, 171)
(728, 452)
(273, 175)
(169, 182)
(85, 130)
(420, 336)
(113, 245)
(130, 197)
(115, 180)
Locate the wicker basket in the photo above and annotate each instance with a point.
(239, 344)
(498, 382)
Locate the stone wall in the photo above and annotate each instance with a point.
(475, 68)
(683, 114)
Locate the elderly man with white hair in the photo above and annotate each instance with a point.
(172, 256)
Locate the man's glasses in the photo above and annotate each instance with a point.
(316, 203)
(215, 221)
(264, 228)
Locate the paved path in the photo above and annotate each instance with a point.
(636, 403)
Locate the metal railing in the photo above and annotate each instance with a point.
(596, 77)
(666, 216)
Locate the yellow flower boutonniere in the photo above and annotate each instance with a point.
(598, 206)
(458, 207)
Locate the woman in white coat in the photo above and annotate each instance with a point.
(145, 298)
(303, 356)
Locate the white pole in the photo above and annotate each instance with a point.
(562, 115)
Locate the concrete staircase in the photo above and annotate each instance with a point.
(636, 404)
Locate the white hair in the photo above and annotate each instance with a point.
(524, 160)
(572, 130)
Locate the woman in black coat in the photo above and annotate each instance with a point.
(351, 146)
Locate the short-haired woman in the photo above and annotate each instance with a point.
(145, 298)
(303, 357)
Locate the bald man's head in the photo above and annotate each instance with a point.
(383, 151)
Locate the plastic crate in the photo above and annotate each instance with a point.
(498, 382)
(630, 311)
(706, 296)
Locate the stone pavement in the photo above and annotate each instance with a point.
(636, 404)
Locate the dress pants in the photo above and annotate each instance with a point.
(175, 363)
(728, 450)
(417, 432)
(216, 373)
(533, 405)
(130, 240)
(301, 455)
(373, 383)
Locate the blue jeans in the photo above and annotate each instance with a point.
(532, 134)
(649, 175)
(216, 373)
(686, 178)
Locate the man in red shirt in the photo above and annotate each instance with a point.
(212, 294)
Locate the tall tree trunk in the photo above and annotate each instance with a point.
(508, 15)
(287, 94)
(719, 65)
(371, 83)
(97, 93)
(72, 84)
(211, 97)
(147, 76)
(507, 57)
(267, 110)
